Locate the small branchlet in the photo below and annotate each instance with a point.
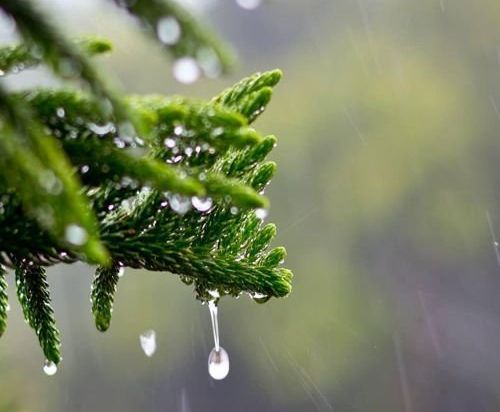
(34, 297)
(103, 294)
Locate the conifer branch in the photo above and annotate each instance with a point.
(148, 182)
(34, 297)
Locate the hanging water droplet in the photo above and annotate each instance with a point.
(49, 367)
(179, 130)
(187, 280)
(212, 307)
(186, 70)
(179, 204)
(148, 342)
(121, 271)
(218, 363)
(249, 4)
(102, 129)
(169, 142)
(261, 213)
(201, 203)
(260, 297)
(75, 234)
(168, 30)
(218, 359)
(215, 294)
(234, 210)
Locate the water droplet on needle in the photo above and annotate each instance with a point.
(168, 30)
(201, 204)
(218, 360)
(75, 234)
(49, 367)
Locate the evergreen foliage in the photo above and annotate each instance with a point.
(147, 182)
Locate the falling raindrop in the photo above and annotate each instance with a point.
(49, 367)
(249, 4)
(168, 30)
(201, 204)
(218, 359)
(75, 234)
(186, 70)
(148, 342)
(218, 363)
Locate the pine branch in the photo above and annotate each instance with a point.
(34, 297)
(164, 184)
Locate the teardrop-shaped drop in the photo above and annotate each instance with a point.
(218, 363)
(50, 368)
(148, 342)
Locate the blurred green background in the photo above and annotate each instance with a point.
(387, 199)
